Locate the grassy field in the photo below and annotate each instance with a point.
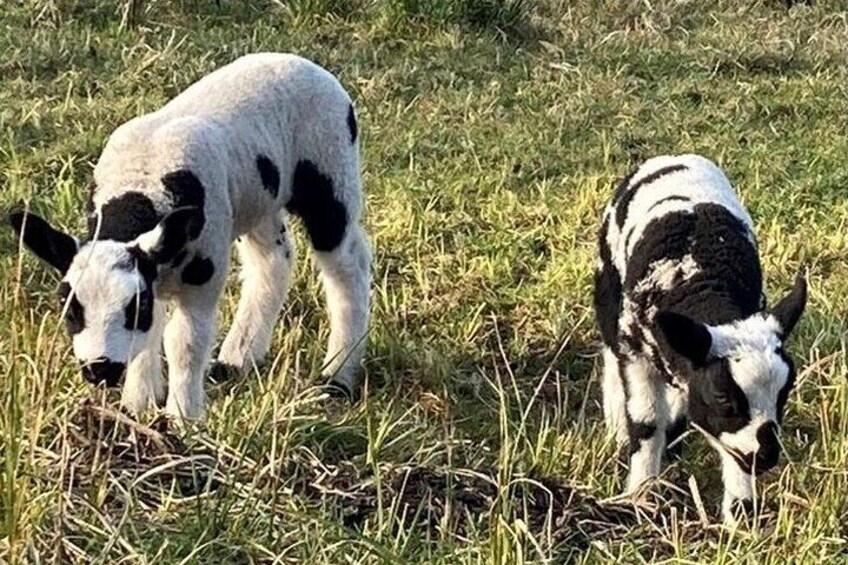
(492, 134)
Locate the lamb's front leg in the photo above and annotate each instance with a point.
(738, 489)
(144, 386)
(189, 336)
(646, 422)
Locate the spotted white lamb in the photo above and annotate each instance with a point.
(687, 337)
(226, 160)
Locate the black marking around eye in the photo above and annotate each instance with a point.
(717, 403)
(138, 314)
(314, 200)
(198, 271)
(75, 315)
(270, 175)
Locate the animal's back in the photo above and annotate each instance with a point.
(659, 187)
(278, 106)
(675, 236)
(258, 86)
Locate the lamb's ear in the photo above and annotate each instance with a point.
(170, 236)
(687, 337)
(51, 245)
(789, 310)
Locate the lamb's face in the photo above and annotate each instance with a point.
(107, 286)
(739, 378)
(738, 397)
(108, 306)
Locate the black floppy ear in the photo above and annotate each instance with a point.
(54, 247)
(789, 310)
(170, 236)
(687, 337)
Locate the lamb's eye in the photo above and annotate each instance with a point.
(74, 312)
(722, 400)
(131, 312)
(139, 311)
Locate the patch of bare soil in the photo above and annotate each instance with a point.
(150, 462)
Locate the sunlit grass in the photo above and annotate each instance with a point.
(492, 133)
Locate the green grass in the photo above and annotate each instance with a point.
(492, 132)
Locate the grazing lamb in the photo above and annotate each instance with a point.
(227, 160)
(687, 337)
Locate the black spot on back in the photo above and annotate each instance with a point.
(623, 205)
(75, 315)
(198, 271)
(125, 217)
(187, 191)
(314, 201)
(270, 175)
(351, 123)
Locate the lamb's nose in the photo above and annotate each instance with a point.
(103, 371)
(769, 450)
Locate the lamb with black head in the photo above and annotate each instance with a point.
(686, 333)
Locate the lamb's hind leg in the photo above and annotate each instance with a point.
(267, 258)
(346, 274)
(330, 206)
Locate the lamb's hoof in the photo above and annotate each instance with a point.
(341, 391)
(222, 372)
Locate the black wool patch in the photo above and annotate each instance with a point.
(622, 206)
(198, 271)
(75, 315)
(666, 237)
(639, 432)
(351, 123)
(314, 201)
(728, 284)
(270, 175)
(186, 190)
(125, 217)
(607, 295)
